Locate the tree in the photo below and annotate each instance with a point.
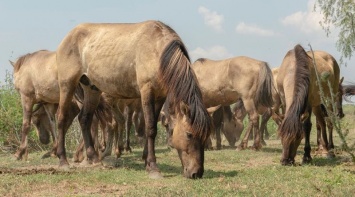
(340, 14)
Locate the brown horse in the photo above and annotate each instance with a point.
(299, 92)
(224, 122)
(35, 78)
(144, 60)
(267, 112)
(224, 82)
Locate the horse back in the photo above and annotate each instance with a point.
(111, 53)
(35, 75)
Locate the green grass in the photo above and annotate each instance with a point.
(227, 173)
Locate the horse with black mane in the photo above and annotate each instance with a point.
(146, 60)
(299, 92)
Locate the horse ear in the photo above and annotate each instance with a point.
(184, 108)
(12, 63)
(341, 80)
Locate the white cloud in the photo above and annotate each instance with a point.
(212, 18)
(307, 22)
(244, 28)
(214, 52)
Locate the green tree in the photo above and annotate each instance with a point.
(341, 15)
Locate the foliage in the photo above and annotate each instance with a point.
(341, 14)
(10, 113)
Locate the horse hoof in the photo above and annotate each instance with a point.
(16, 158)
(240, 148)
(330, 155)
(306, 160)
(46, 155)
(155, 175)
(64, 167)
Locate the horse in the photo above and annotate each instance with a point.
(224, 121)
(299, 92)
(267, 112)
(223, 82)
(145, 60)
(35, 78)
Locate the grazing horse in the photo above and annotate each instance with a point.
(224, 82)
(224, 121)
(35, 78)
(299, 92)
(146, 60)
(267, 112)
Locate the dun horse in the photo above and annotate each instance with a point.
(224, 82)
(35, 78)
(298, 89)
(144, 60)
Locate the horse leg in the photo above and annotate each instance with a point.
(138, 122)
(323, 146)
(95, 135)
(244, 143)
(151, 113)
(307, 126)
(218, 139)
(91, 101)
(330, 133)
(128, 124)
(79, 152)
(263, 126)
(27, 105)
(254, 120)
(118, 129)
(51, 109)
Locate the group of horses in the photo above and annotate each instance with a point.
(105, 73)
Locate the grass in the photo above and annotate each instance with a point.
(227, 173)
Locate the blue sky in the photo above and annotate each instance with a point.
(264, 30)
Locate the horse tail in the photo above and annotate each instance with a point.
(217, 118)
(102, 111)
(264, 90)
(178, 78)
(291, 127)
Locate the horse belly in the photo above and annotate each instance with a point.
(119, 81)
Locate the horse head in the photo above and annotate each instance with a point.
(41, 122)
(189, 146)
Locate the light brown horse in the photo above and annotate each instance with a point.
(266, 112)
(298, 89)
(144, 60)
(35, 78)
(224, 82)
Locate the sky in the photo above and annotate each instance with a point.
(264, 30)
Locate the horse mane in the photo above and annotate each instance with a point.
(178, 78)
(202, 60)
(22, 59)
(291, 126)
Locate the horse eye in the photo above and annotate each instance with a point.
(189, 135)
